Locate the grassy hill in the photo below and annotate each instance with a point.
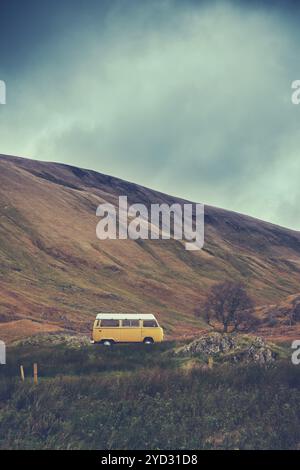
(55, 275)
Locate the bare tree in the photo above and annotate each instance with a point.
(229, 308)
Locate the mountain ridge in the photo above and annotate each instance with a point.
(82, 171)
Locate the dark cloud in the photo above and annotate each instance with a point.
(191, 98)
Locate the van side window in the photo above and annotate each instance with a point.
(110, 323)
(149, 324)
(130, 323)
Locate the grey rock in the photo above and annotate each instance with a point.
(71, 341)
(230, 347)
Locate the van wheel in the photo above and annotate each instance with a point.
(148, 341)
(107, 342)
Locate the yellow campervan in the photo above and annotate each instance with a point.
(112, 328)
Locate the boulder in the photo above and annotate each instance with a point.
(56, 339)
(229, 347)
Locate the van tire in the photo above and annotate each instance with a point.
(148, 341)
(107, 342)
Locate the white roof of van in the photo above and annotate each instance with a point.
(125, 316)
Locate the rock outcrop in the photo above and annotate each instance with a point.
(68, 340)
(229, 347)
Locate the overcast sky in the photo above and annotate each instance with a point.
(190, 98)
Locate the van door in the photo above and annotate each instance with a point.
(110, 329)
(131, 331)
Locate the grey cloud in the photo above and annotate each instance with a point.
(196, 104)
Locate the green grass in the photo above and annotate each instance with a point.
(134, 397)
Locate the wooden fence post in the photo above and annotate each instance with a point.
(22, 373)
(35, 373)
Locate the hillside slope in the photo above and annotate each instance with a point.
(55, 274)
